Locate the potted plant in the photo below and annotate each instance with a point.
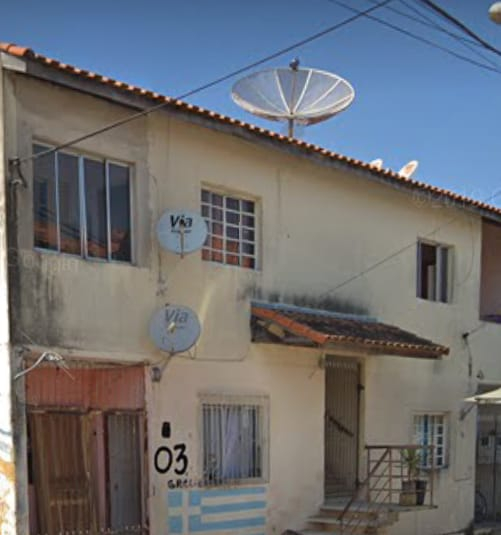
(420, 490)
(411, 459)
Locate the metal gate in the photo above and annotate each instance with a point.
(488, 466)
(341, 425)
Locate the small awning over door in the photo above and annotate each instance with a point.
(486, 395)
(278, 323)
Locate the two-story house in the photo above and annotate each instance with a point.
(346, 313)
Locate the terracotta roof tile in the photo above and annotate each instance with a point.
(321, 328)
(26, 52)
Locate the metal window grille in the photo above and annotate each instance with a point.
(232, 228)
(431, 430)
(82, 206)
(234, 441)
(87, 473)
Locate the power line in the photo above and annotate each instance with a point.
(18, 161)
(424, 19)
(427, 21)
(456, 22)
(417, 37)
(400, 251)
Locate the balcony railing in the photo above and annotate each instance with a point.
(390, 468)
(395, 479)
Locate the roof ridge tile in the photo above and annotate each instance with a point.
(26, 52)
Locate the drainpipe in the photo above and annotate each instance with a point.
(8, 468)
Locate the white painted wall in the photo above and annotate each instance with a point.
(319, 227)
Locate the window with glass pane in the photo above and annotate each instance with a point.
(69, 203)
(76, 196)
(44, 200)
(95, 206)
(433, 280)
(119, 212)
(431, 430)
(231, 223)
(233, 441)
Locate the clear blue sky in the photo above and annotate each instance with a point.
(412, 101)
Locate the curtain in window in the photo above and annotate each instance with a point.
(231, 462)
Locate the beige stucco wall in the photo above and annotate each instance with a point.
(294, 387)
(7, 431)
(319, 227)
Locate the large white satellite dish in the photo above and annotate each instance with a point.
(293, 95)
(181, 231)
(174, 328)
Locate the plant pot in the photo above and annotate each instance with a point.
(420, 491)
(408, 493)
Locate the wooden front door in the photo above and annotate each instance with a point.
(342, 378)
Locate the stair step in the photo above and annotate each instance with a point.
(357, 511)
(326, 519)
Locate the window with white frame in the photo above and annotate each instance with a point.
(433, 271)
(431, 430)
(82, 205)
(234, 439)
(231, 221)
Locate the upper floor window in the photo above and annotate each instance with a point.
(231, 221)
(82, 205)
(431, 430)
(433, 272)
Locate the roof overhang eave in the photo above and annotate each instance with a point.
(122, 96)
(385, 351)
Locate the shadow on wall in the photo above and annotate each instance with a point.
(329, 303)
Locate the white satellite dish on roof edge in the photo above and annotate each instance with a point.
(181, 231)
(409, 169)
(174, 328)
(293, 95)
(377, 163)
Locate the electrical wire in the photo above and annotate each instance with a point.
(461, 25)
(435, 230)
(399, 251)
(417, 37)
(169, 101)
(427, 21)
(40, 359)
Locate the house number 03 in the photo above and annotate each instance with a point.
(166, 457)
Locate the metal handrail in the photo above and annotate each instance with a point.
(379, 488)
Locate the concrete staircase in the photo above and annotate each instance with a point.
(361, 518)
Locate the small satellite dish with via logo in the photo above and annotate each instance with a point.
(174, 328)
(377, 163)
(181, 231)
(409, 169)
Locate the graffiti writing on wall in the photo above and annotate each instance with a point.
(171, 457)
(167, 458)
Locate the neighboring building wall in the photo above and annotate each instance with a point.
(319, 228)
(7, 432)
(490, 296)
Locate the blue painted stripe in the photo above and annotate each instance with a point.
(232, 507)
(175, 498)
(175, 524)
(196, 525)
(196, 496)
